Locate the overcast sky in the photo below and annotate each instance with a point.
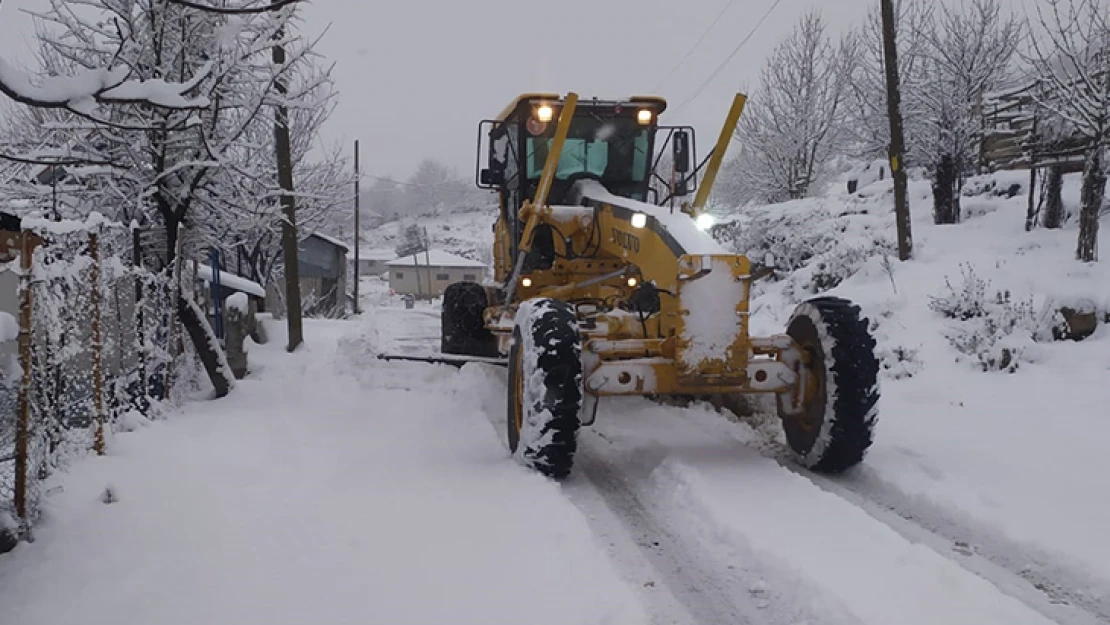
(416, 76)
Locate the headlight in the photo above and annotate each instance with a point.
(525, 282)
(644, 116)
(705, 221)
(545, 113)
(639, 220)
(632, 282)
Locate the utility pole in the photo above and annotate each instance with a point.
(897, 139)
(289, 240)
(358, 226)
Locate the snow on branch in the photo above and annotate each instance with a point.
(83, 90)
(246, 10)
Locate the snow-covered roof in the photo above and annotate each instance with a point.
(330, 239)
(435, 258)
(231, 281)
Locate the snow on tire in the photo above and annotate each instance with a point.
(545, 387)
(839, 416)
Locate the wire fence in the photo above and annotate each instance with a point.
(96, 347)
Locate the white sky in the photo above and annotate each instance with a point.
(416, 76)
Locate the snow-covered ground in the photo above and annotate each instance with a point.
(319, 492)
(1011, 462)
(335, 487)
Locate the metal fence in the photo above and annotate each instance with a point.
(97, 345)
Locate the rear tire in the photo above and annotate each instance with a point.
(463, 327)
(841, 409)
(545, 387)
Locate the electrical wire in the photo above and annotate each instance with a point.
(701, 88)
(700, 40)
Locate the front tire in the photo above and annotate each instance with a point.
(840, 407)
(545, 387)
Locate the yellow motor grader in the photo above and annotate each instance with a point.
(603, 287)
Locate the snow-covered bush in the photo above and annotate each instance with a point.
(990, 325)
(818, 243)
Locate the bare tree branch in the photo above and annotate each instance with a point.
(265, 8)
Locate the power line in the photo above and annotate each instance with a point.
(728, 59)
(701, 39)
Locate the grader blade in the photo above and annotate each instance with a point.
(454, 360)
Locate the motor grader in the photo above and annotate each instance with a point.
(604, 287)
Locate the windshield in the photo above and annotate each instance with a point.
(613, 150)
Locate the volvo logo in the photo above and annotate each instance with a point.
(626, 240)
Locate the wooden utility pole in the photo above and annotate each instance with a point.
(97, 345)
(358, 226)
(289, 242)
(897, 139)
(23, 415)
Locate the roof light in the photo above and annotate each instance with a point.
(632, 282)
(639, 220)
(526, 282)
(705, 221)
(643, 116)
(545, 113)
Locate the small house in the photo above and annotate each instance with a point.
(322, 264)
(427, 274)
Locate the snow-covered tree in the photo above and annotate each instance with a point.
(1071, 56)
(114, 82)
(208, 163)
(794, 122)
(969, 52)
(213, 167)
(868, 130)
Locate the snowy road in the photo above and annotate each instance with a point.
(713, 525)
(338, 488)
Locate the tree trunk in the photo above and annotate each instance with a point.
(946, 193)
(1094, 189)
(289, 239)
(1054, 200)
(897, 140)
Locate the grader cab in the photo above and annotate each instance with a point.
(604, 287)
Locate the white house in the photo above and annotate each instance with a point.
(428, 274)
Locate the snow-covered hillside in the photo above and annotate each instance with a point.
(467, 233)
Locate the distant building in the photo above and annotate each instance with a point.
(322, 261)
(372, 261)
(428, 274)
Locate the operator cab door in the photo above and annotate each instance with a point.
(499, 169)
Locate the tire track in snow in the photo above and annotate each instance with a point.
(1050, 589)
(703, 574)
(1035, 579)
(681, 579)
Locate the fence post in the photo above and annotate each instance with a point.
(23, 419)
(140, 333)
(97, 347)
